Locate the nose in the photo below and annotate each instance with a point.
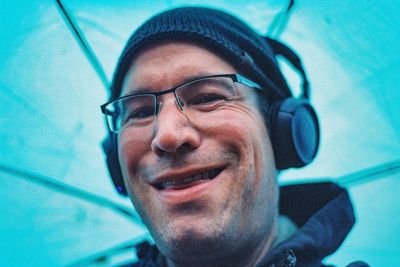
(173, 132)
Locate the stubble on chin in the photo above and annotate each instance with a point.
(194, 240)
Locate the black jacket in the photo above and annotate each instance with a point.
(324, 216)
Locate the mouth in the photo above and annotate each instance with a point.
(188, 181)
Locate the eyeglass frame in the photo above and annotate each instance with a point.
(236, 78)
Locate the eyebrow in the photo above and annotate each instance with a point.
(144, 90)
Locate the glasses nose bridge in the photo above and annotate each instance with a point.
(159, 103)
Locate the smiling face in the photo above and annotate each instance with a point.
(204, 186)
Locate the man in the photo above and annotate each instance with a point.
(201, 120)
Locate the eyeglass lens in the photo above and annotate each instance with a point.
(195, 98)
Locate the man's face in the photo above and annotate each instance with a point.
(235, 208)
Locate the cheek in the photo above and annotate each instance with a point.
(243, 133)
(131, 154)
(134, 155)
(242, 129)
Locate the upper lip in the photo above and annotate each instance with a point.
(182, 173)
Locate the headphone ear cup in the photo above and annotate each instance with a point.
(294, 132)
(110, 149)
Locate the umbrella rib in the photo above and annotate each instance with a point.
(71, 190)
(104, 255)
(280, 20)
(372, 173)
(358, 177)
(83, 42)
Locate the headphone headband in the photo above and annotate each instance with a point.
(278, 48)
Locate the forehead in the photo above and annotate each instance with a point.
(166, 65)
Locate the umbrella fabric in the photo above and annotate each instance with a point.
(58, 205)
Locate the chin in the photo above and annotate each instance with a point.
(196, 242)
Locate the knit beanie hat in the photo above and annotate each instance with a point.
(215, 30)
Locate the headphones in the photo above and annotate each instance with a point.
(293, 122)
(294, 126)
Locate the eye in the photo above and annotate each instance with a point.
(142, 112)
(207, 94)
(207, 98)
(138, 114)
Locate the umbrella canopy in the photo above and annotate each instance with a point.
(57, 57)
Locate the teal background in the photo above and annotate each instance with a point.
(58, 206)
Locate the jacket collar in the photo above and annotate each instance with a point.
(324, 214)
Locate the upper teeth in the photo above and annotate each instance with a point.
(200, 176)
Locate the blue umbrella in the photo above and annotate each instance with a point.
(58, 205)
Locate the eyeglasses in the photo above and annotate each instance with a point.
(196, 97)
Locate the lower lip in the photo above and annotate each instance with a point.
(199, 188)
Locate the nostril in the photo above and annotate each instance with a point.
(171, 142)
(184, 148)
(157, 150)
(165, 142)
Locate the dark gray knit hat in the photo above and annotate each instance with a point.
(218, 31)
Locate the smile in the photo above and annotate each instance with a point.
(188, 181)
